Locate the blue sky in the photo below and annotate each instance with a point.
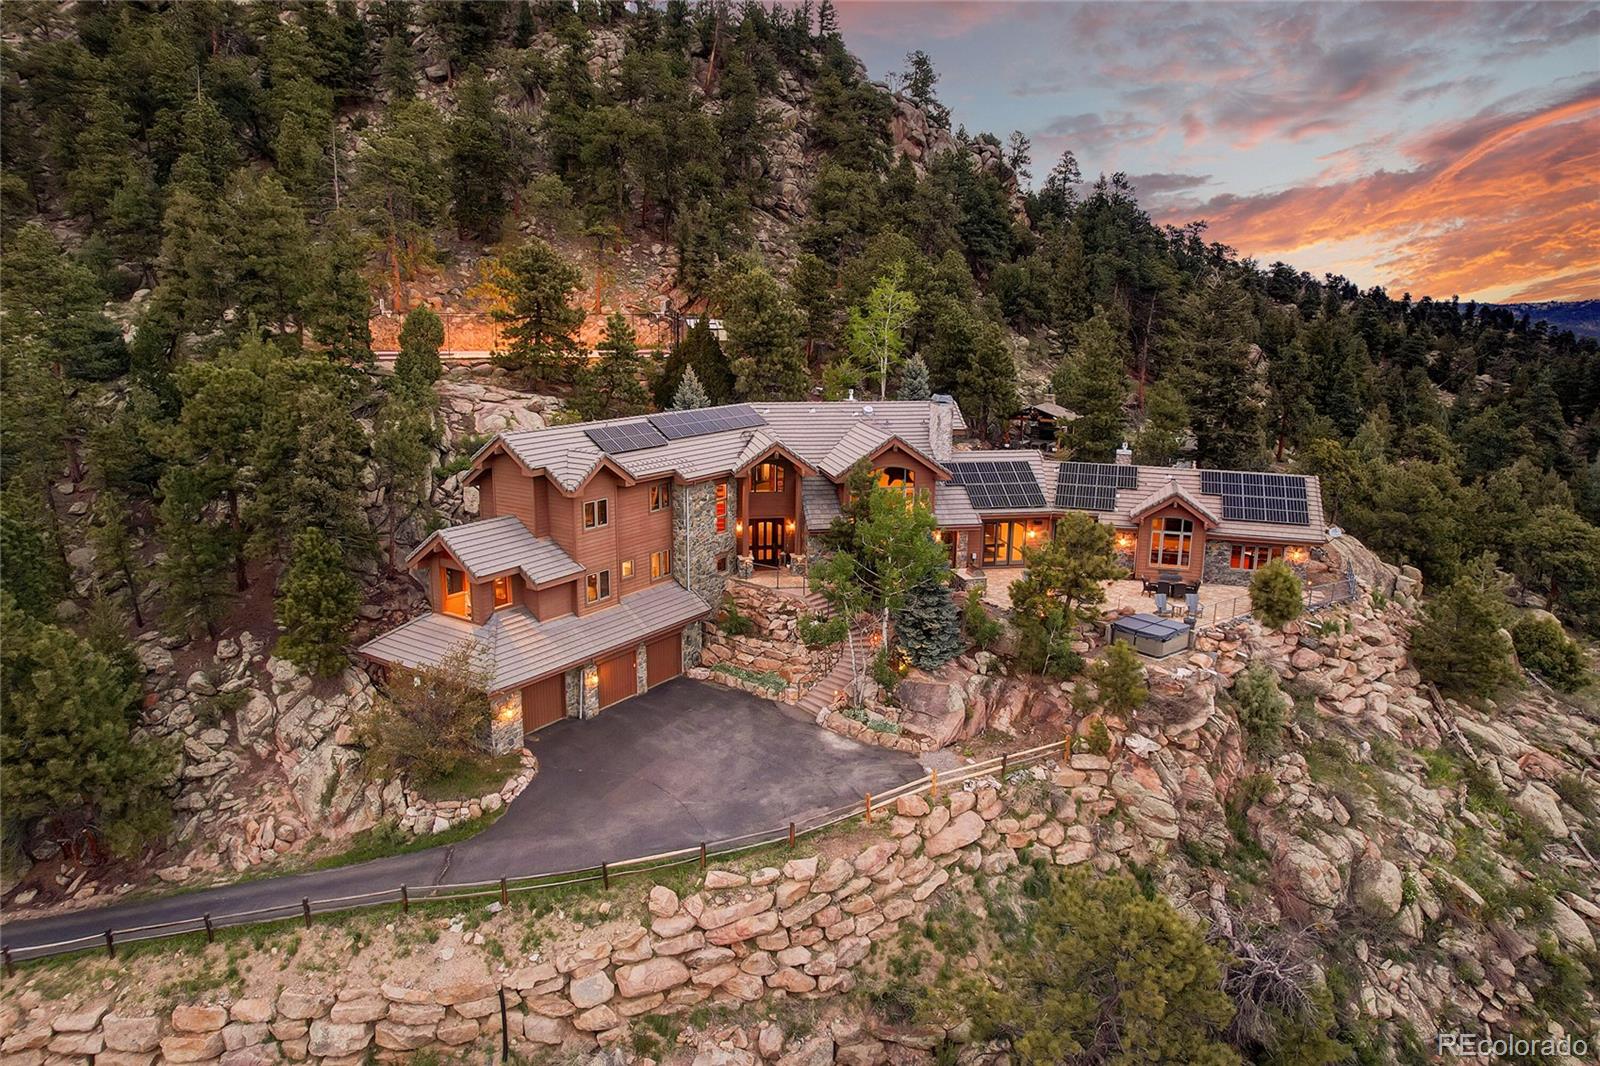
(1440, 148)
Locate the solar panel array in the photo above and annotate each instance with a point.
(1093, 486)
(676, 425)
(999, 485)
(1248, 497)
(619, 437)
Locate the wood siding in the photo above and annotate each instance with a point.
(554, 601)
(640, 531)
(1144, 568)
(755, 506)
(510, 491)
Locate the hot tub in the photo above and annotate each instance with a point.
(1151, 634)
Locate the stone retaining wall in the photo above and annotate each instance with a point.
(435, 816)
(774, 645)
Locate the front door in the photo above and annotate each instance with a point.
(766, 541)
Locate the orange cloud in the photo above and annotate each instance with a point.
(1499, 207)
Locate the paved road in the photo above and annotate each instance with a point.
(684, 763)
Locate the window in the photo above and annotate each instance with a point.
(660, 496)
(660, 564)
(597, 587)
(502, 592)
(898, 477)
(722, 563)
(1170, 540)
(1004, 542)
(596, 514)
(1253, 556)
(457, 598)
(722, 507)
(768, 477)
(627, 568)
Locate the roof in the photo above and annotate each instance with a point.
(514, 648)
(494, 546)
(1050, 410)
(952, 508)
(1036, 467)
(810, 431)
(1172, 492)
(819, 500)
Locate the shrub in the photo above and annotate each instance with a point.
(1276, 596)
(1544, 647)
(432, 721)
(928, 626)
(764, 679)
(1118, 677)
(982, 630)
(883, 670)
(1458, 645)
(734, 622)
(1261, 707)
(1097, 741)
(822, 632)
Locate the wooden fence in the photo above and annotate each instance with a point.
(870, 807)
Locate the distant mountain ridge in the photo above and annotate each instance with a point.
(1582, 317)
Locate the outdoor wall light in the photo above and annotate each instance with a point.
(738, 527)
(1297, 555)
(1125, 542)
(591, 677)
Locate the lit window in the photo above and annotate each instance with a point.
(1170, 540)
(597, 587)
(627, 568)
(502, 592)
(457, 598)
(596, 513)
(900, 479)
(1252, 556)
(660, 496)
(722, 507)
(768, 477)
(660, 564)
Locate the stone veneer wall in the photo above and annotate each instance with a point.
(1215, 570)
(694, 511)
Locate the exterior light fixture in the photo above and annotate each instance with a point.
(591, 677)
(738, 527)
(1125, 542)
(1297, 555)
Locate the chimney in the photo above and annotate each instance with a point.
(941, 427)
(1124, 455)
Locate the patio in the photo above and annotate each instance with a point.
(1129, 597)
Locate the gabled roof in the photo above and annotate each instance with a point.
(514, 648)
(494, 546)
(819, 499)
(952, 507)
(1173, 492)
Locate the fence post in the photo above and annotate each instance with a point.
(1005, 759)
(605, 877)
(505, 895)
(702, 856)
(405, 900)
(11, 967)
(111, 945)
(505, 1032)
(1066, 748)
(210, 933)
(791, 834)
(305, 906)
(869, 807)
(933, 790)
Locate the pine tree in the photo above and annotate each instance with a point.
(1093, 383)
(402, 187)
(1060, 590)
(112, 540)
(703, 353)
(612, 385)
(928, 626)
(479, 160)
(397, 71)
(1166, 419)
(811, 289)
(317, 604)
(914, 380)
(1224, 399)
(404, 437)
(340, 301)
(265, 247)
(101, 155)
(34, 577)
(421, 336)
(763, 331)
(690, 394)
(71, 762)
(1460, 645)
(1276, 597)
(535, 287)
(1118, 678)
(194, 573)
(323, 486)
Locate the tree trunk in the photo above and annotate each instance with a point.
(133, 595)
(240, 578)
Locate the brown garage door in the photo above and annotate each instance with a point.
(664, 658)
(619, 678)
(544, 702)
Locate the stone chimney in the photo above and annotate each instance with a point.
(941, 426)
(1124, 455)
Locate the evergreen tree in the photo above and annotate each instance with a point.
(914, 381)
(265, 246)
(404, 437)
(928, 626)
(763, 330)
(1221, 382)
(1460, 644)
(397, 70)
(34, 577)
(702, 353)
(1166, 419)
(1093, 383)
(71, 761)
(535, 286)
(612, 385)
(317, 604)
(401, 186)
(1118, 678)
(101, 153)
(917, 82)
(194, 574)
(479, 159)
(340, 301)
(1061, 590)
(111, 538)
(811, 289)
(1276, 596)
(690, 393)
(421, 336)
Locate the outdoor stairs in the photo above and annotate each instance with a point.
(831, 687)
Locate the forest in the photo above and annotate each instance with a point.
(202, 203)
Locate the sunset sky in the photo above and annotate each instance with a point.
(1437, 148)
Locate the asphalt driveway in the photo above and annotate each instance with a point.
(684, 763)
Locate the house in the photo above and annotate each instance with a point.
(600, 547)
(1039, 423)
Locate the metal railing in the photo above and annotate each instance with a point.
(307, 909)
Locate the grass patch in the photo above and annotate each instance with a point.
(762, 679)
(471, 778)
(382, 841)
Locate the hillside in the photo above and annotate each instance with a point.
(1582, 317)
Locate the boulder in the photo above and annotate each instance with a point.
(656, 975)
(966, 828)
(933, 709)
(333, 1038)
(1540, 805)
(1378, 887)
(141, 1034)
(591, 991)
(194, 1047)
(198, 1018)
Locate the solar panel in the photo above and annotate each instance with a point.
(999, 485)
(1092, 486)
(676, 425)
(1252, 497)
(619, 437)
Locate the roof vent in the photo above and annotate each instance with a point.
(867, 410)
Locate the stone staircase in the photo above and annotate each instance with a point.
(824, 695)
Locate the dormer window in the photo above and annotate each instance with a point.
(768, 477)
(900, 478)
(456, 595)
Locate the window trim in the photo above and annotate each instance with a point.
(1249, 557)
(1183, 553)
(721, 506)
(448, 598)
(627, 569)
(660, 496)
(776, 482)
(602, 513)
(600, 582)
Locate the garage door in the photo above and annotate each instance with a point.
(664, 658)
(619, 678)
(544, 702)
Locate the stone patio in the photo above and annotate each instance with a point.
(1128, 596)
